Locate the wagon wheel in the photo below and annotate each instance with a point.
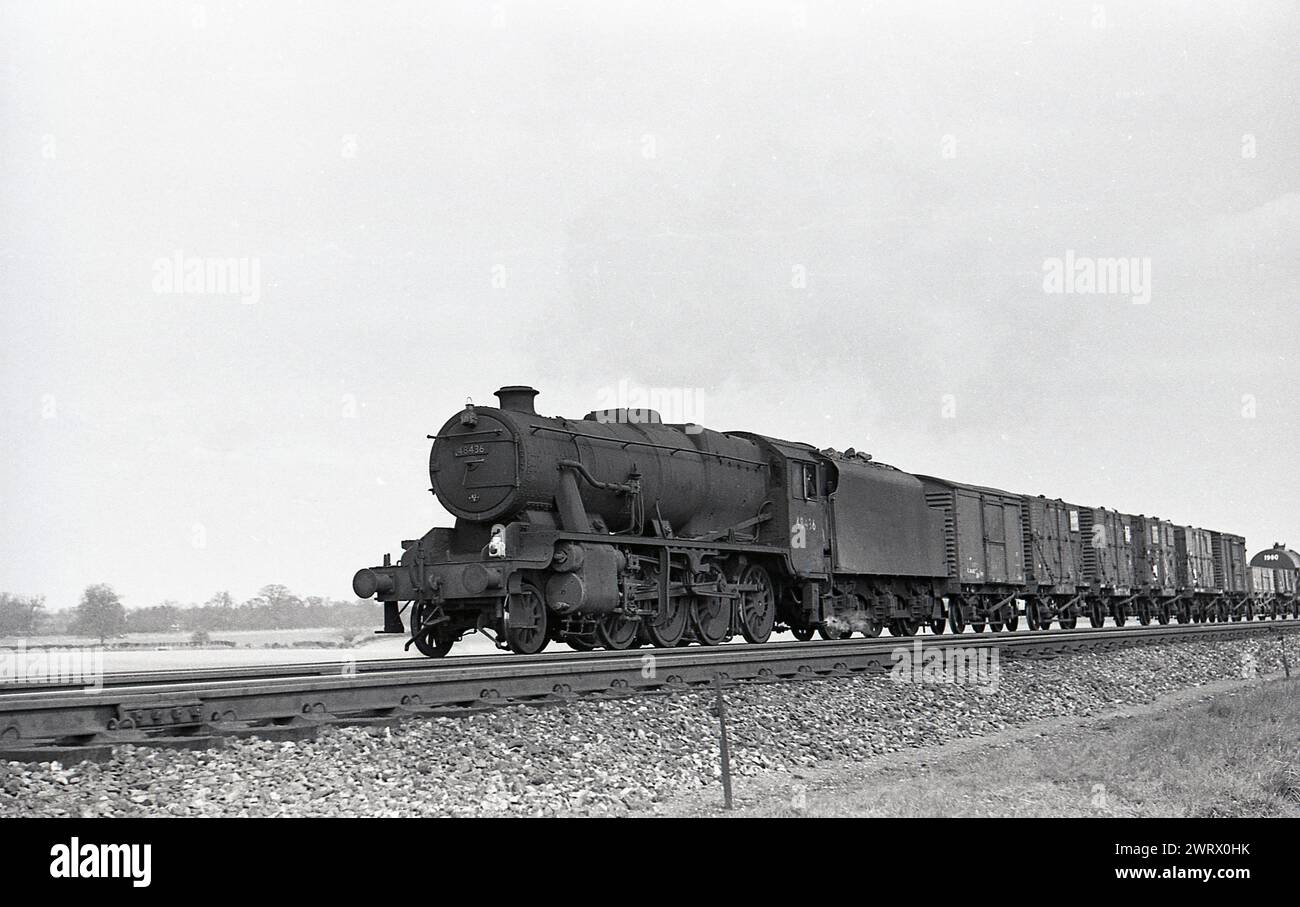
(1044, 617)
(1096, 614)
(711, 618)
(1069, 623)
(995, 626)
(826, 632)
(617, 631)
(665, 628)
(1163, 613)
(977, 626)
(757, 607)
(903, 626)
(1120, 615)
(1031, 614)
(430, 641)
(526, 621)
(956, 617)
(1013, 622)
(937, 625)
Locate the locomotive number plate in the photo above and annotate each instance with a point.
(470, 450)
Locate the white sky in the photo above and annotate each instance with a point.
(647, 180)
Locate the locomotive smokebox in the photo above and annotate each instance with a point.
(517, 398)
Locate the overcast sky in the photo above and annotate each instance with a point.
(827, 222)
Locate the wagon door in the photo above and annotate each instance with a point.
(995, 541)
(1003, 540)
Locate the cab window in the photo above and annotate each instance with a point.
(810, 490)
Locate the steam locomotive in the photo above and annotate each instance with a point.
(618, 530)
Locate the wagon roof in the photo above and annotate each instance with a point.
(987, 489)
(1287, 560)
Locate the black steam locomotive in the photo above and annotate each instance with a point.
(618, 530)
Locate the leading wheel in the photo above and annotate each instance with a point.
(430, 641)
(757, 606)
(526, 621)
(803, 634)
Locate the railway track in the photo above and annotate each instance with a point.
(199, 708)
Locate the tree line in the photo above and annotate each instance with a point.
(101, 614)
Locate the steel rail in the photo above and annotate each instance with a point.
(227, 672)
(71, 724)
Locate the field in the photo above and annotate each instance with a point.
(1232, 753)
(168, 651)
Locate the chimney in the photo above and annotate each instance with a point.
(517, 398)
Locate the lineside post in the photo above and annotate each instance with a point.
(724, 750)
